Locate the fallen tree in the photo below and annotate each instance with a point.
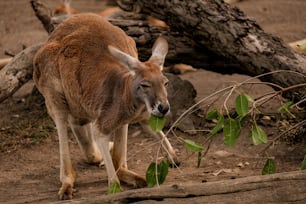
(286, 187)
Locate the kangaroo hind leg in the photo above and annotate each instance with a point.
(59, 113)
(85, 139)
(119, 156)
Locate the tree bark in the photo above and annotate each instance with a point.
(182, 49)
(17, 72)
(229, 33)
(286, 187)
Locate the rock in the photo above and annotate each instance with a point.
(181, 96)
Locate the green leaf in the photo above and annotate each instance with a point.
(193, 146)
(231, 132)
(269, 167)
(303, 167)
(258, 136)
(300, 46)
(242, 105)
(285, 107)
(212, 114)
(250, 99)
(157, 123)
(114, 188)
(162, 171)
(219, 125)
(151, 175)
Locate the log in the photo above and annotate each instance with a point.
(228, 32)
(17, 72)
(285, 187)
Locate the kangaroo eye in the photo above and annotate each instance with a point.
(166, 81)
(145, 85)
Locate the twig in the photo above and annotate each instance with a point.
(282, 134)
(227, 98)
(236, 86)
(9, 53)
(208, 146)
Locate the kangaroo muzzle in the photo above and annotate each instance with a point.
(161, 109)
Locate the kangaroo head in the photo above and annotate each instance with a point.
(148, 84)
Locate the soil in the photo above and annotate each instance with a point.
(29, 155)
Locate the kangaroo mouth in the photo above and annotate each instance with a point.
(159, 109)
(157, 114)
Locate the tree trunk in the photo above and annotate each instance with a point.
(228, 32)
(289, 187)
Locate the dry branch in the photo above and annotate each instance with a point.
(275, 188)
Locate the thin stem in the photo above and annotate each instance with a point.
(208, 147)
(227, 98)
(298, 103)
(282, 134)
(156, 168)
(195, 105)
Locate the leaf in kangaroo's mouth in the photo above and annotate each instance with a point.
(157, 123)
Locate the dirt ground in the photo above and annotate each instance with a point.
(29, 158)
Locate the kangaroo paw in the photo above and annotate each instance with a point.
(66, 192)
(131, 178)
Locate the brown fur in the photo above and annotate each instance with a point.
(65, 8)
(99, 90)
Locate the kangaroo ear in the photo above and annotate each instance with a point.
(159, 52)
(130, 62)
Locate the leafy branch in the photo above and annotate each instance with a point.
(231, 124)
(245, 105)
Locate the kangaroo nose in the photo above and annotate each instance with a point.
(163, 108)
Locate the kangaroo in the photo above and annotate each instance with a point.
(65, 8)
(90, 76)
